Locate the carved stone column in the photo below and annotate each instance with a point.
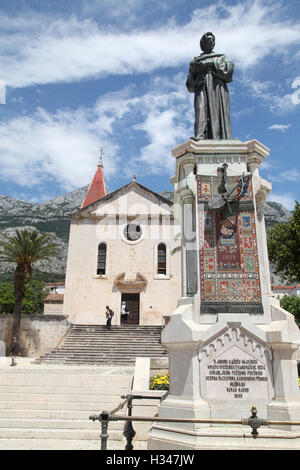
(189, 241)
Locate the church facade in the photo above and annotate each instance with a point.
(121, 248)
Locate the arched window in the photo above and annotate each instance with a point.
(162, 259)
(101, 266)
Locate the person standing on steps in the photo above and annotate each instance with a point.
(109, 314)
(14, 351)
(124, 313)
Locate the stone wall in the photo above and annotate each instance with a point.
(53, 308)
(39, 333)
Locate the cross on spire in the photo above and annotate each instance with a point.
(101, 157)
(97, 189)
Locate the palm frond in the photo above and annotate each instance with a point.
(25, 247)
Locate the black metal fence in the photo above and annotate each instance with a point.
(105, 417)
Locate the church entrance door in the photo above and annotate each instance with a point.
(133, 304)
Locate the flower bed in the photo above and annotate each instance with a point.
(159, 382)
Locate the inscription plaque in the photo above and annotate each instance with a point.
(236, 375)
(236, 366)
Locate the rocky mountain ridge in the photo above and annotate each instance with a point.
(53, 216)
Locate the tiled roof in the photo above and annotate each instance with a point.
(48, 284)
(54, 298)
(283, 287)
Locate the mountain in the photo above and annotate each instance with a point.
(52, 216)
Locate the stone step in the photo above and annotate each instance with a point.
(59, 390)
(91, 361)
(94, 344)
(117, 327)
(45, 414)
(87, 362)
(116, 352)
(102, 382)
(74, 434)
(45, 397)
(114, 344)
(83, 337)
(115, 334)
(108, 352)
(104, 358)
(55, 424)
(89, 408)
(108, 374)
(109, 346)
(84, 387)
(70, 444)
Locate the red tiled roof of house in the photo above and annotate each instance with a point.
(54, 284)
(97, 189)
(54, 298)
(282, 287)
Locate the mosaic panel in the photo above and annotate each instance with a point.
(229, 271)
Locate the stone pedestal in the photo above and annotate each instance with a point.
(230, 344)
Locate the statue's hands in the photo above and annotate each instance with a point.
(202, 67)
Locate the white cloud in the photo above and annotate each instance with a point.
(64, 146)
(42, 50)
(280, 127)
(270, 164)
(291, 175)
(296, 83)
(296, 95)
(116, 9)
(268, 93)
(288, 175)
(286, 199)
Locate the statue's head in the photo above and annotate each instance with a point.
(207, 42)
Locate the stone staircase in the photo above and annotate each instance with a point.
(95, 344)
(46, 407)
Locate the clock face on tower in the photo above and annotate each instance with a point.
(132, 232)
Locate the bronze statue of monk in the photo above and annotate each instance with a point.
(208, 76)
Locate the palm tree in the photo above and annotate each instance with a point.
(23, 249)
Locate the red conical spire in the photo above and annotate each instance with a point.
(97, 189)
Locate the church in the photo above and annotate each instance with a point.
(123, 247)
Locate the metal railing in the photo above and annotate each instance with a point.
(105, 417)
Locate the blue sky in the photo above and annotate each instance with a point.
(81, 74)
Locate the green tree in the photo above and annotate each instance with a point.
(291, 303)
(284, 247)
(23, 249)
(7, 300)
(33, 302)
